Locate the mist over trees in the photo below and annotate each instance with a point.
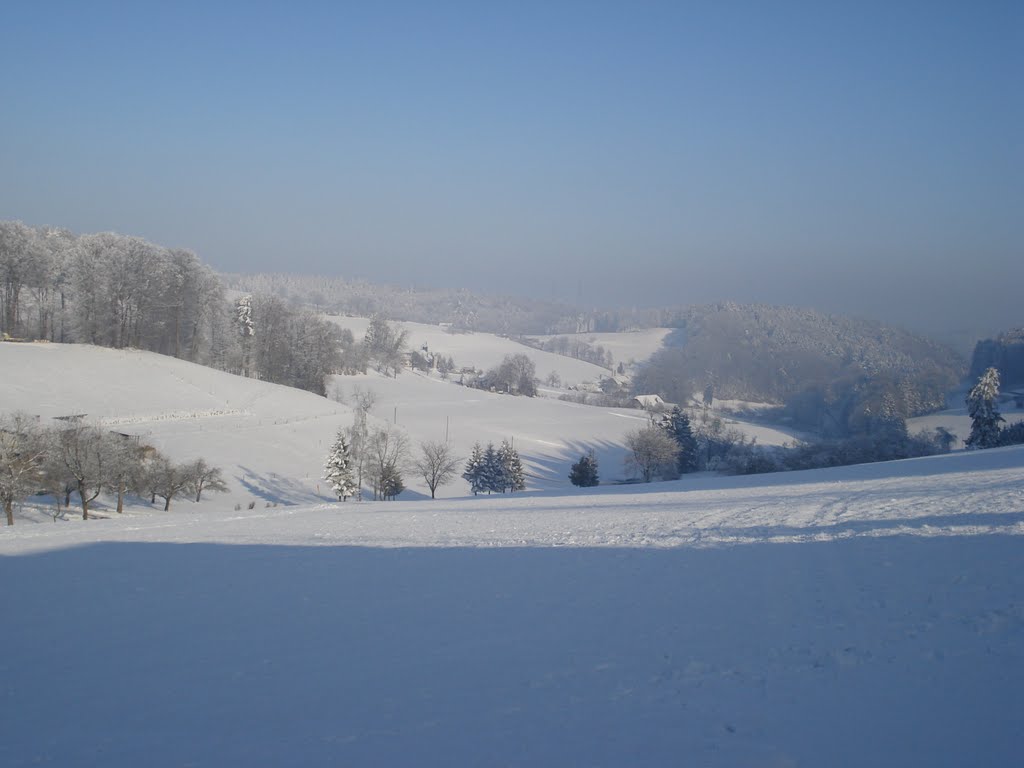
(1005, 353)
(832, 374)
(120, 291)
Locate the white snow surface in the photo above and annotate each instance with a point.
(866, 615)
(272, 441)
(482, 351)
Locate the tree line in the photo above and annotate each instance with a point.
(81, 459)
(119, 291)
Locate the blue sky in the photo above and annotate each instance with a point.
(859, 157)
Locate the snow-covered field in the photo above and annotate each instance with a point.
(272, 440)
(869, 615)
(482, 351)
(866, 615)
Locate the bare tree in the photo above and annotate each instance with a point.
(386, 450)
(652, 452)
(437, 464)
(204, 477)
(171, 480)
(22, 451)
(148, 479)
(125, 457)
(87, 453)
(362, 403)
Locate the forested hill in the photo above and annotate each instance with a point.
(1005, 352)
(120, 291)
(773, 354)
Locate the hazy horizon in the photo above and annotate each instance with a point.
(864, 160)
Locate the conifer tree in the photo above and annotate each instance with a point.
(338, 469)
(492, 472)
(511, 475)
(677, 425)
(474, 473)
(982, 407)
(584, 472)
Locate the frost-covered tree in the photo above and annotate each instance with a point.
(89, 454)
(22, 451)
(125, 457)
(651, 453)
(677, 426)
(584, 472)
(492, 471)
(474, 473)
(203, 477)
(983, 408)
(338, 469)
(385, 344)
(511, 476)
(171, 479)
(436, 464)
(387, 451)
(517, 374)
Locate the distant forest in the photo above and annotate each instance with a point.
(119, 291)
(832, 374)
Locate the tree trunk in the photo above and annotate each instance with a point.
(167, 503)
(9, 509)
(120, 498)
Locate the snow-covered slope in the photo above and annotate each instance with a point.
(626, 346)
(856, 616)
(482, 351)
(271, 440)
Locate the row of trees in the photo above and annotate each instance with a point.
(494, 470)
(119, 291)
(379, 456)
(83, 459)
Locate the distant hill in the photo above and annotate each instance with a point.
(774, 354)
(1006, 353)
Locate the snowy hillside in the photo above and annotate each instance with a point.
(482, 351)
(857, 616)
(271, 440)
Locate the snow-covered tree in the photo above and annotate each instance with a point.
(677, 426)
(21, 457)
(492, 471)
(88, 453)
(385, 344)
(652, 452)
(203, 477)
(510, 473)
(584, 472)
(338, 469)
(387, 451)
(983, 408)
(474, 473)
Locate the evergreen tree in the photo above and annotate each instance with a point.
(474, 473)
(584, 472)
(677, 425)
(493, 475)
(338, 469)
(982, 407)
(512, 477)
(391, 483)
